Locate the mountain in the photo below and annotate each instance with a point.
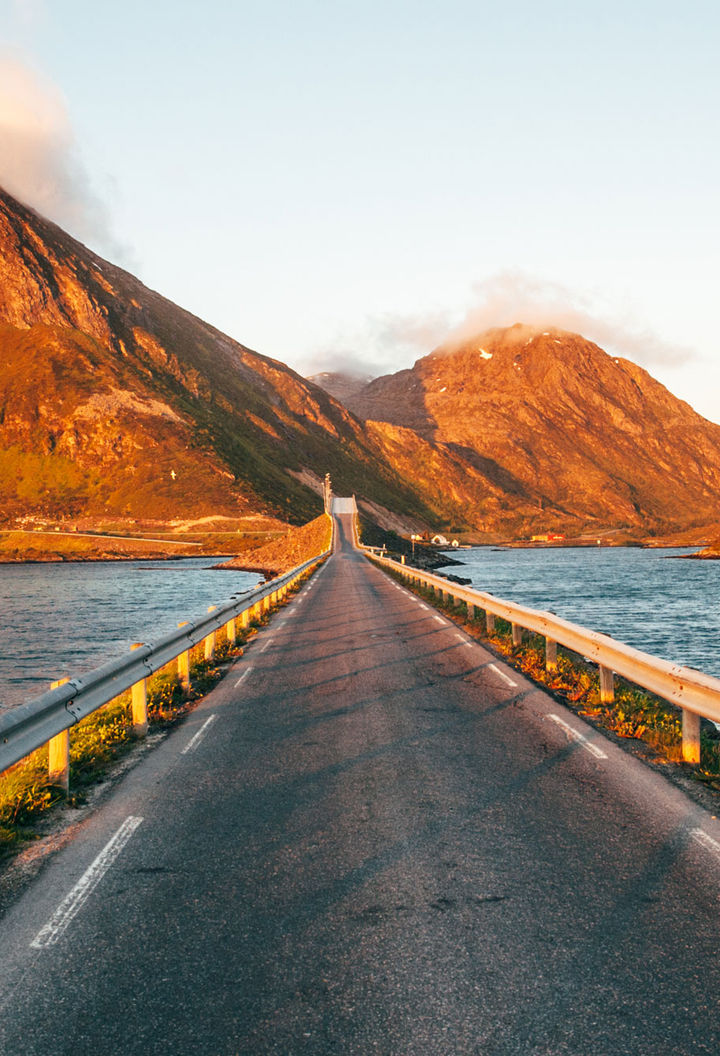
(116, 402)
(559, 435)
(343, 386)
(117, 405)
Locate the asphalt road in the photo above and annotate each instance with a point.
(373, 837)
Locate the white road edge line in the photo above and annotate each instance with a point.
(195, 741)
(579, 737)
(245, 673)
(439, 619)
(73, 901)
(503, 676)
(706, 841)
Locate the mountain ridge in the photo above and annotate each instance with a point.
(552, 419)
(231, 416)
(114, 402)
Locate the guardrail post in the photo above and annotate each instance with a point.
(471, 611)
(139, 703)
(550, 655)
(245, 618)
(517, 634)
(690, 736)
(607, 685)
(230, 631)
(183, 662)
(490, 622)
(210, 639)
(59, 752)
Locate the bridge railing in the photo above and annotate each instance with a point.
(695, 693)
(48, 718)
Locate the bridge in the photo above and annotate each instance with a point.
(372, 837)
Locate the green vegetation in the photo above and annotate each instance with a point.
(50, 484)
(105, 737)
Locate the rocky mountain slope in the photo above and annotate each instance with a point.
(114, 401)
(711, 552)
(550, 433)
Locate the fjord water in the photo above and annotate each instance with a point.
(649, 599)
(67, 618)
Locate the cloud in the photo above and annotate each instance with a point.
(383, 343)
(516, 297)
(386, 343)
(39, 158)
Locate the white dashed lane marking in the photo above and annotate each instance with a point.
(244, 675)
(581, 739)
(502, 675)
(195, 741)
(706, 841)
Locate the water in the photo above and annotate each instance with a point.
(66, 619)
(669, 608)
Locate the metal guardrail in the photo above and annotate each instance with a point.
(695, 693)
(48, 717)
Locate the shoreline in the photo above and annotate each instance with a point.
(85, 559)
(701, 556)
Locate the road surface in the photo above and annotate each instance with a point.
(373, 837)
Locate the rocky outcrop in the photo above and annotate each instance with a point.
(297, 545)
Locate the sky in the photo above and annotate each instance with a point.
(342, 184)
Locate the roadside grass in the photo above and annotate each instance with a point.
(101, 740)
(635, 713)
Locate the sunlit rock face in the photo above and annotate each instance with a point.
(116, 401)
(565, 434)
